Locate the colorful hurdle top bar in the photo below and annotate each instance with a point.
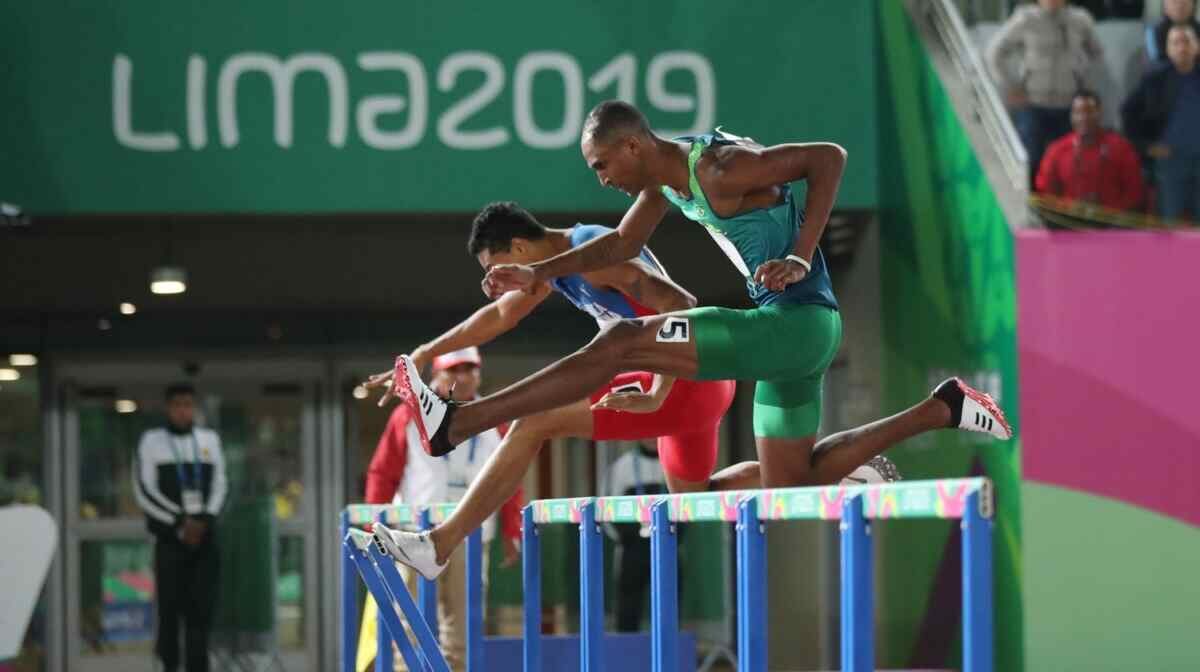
(359, 515)
(943, 498)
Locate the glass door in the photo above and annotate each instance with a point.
(267, 591)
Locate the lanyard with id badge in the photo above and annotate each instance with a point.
(189, 483)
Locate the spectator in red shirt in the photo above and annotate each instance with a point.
(1092, 164)
(401, 472)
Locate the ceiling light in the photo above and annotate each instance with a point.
(168, 280)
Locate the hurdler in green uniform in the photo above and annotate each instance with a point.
(789, 340)
(740, 192)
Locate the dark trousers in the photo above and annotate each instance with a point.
(1038, 127)
(185, 581)
(1179, 185)
(633, 577)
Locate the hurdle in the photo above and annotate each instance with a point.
(387, 587)
(855, 507)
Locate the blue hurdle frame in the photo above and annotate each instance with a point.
(387, 587)
(857, 582)
(531, 579)
(858, 589)
(383, 646)
(664, 593)
(977, 607)
(751, 588)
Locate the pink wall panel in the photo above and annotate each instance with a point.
(1109, 347)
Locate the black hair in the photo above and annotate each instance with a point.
(498, 223)
(179, 390)
(613, 120)
(1088, 94)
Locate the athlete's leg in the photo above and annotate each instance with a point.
(688, 459)
(787, 414)
(835, 456)
(787, 406)
(688, 455)
(798, 462)
(660, 344)
(740, 476)
(785, 462)
(687, 401)
(502, 473)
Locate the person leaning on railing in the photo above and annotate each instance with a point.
(1092, 164)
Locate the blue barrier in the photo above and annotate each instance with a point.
(856, 507)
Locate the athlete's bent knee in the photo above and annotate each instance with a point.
(539, 427)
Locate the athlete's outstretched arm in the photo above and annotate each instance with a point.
(482, 326)
(624, 243)
(742, 170)
(485, 324)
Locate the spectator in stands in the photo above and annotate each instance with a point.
(1175, 12)
(1162, 116)
(1055, 45)
(401, 472)
(1092, 164)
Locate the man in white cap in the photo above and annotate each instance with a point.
(402, 472)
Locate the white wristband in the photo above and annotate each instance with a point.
(800, 260)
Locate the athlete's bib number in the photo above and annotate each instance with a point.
(674, 330)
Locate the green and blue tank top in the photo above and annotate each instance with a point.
(754, 237)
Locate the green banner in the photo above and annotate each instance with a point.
(309, 106)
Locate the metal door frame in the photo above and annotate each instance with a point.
(63, 441)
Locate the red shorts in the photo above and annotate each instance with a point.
(686, 425)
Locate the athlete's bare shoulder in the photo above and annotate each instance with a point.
(720, 157)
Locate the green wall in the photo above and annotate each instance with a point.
(948, 308)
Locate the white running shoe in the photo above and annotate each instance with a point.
(878, 470)
(973, 410)
(432, 411)
(413, 549)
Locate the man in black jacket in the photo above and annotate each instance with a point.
(1175, 12)
(1162, 117)
(179, 482)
